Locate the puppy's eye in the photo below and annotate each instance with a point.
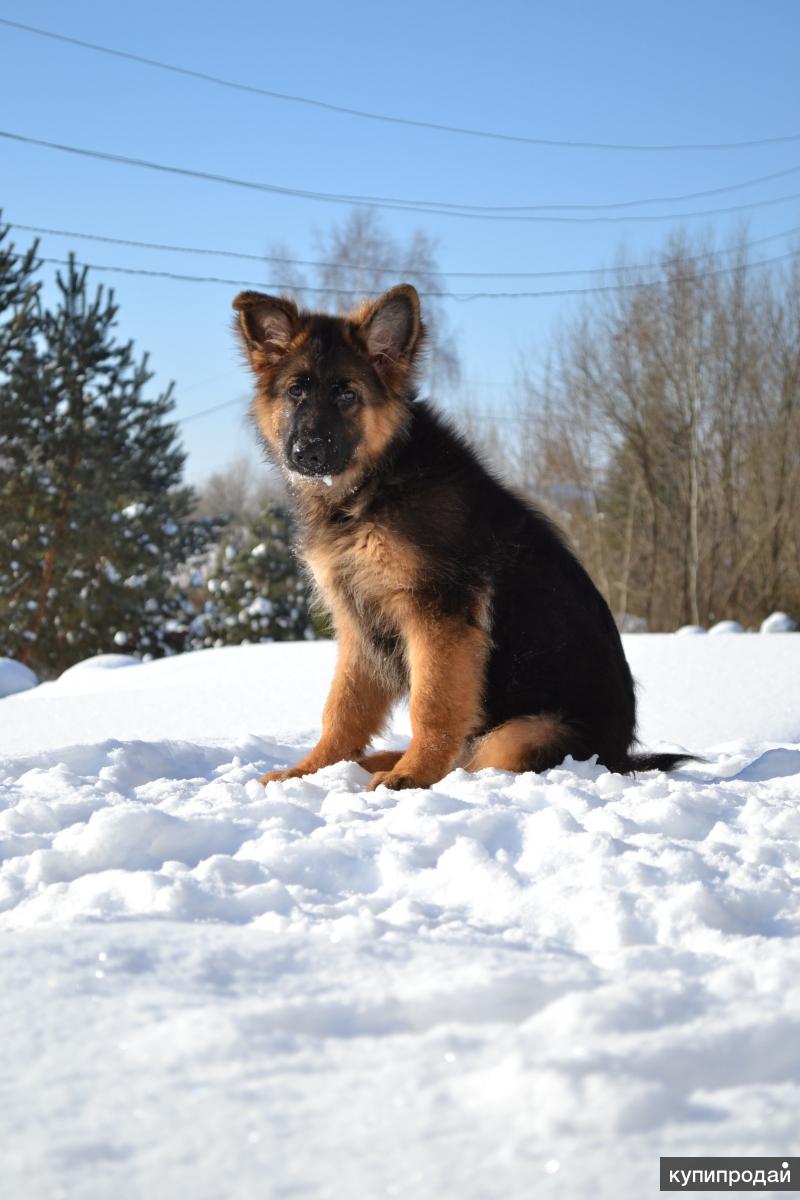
(295, 391)
(347, 396)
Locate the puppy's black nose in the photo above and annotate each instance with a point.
(310, 455)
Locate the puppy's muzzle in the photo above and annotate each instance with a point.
(310, 456)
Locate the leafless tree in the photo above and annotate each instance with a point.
(239, 492)
(668, 442)
(360, 257)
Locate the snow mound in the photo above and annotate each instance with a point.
(693, 693)
(439, 992)
(15, 677)
(491, 974)
(689, 630)
(101, 662)
(188, 832)
(779, 622)
(727, 627)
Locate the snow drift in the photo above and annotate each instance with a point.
(500, 986)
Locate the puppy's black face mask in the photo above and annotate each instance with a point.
(324, 426)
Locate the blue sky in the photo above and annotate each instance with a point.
(707, 71)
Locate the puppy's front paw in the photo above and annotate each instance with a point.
(394, 780)
(279, 776)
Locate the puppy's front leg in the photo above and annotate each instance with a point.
(447, 660)
(354, 712)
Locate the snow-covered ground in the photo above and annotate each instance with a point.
(503, 986)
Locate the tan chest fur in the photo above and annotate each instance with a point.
(365, 568)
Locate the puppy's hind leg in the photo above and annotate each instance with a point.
(381, 760)
(523, 744)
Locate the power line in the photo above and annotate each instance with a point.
(468, 413)
(190, 387)
(375, 202)
(207, 411)
(364, 114)
(457, 206)
(597, 207)
(460, 412)
(458, 296)
(392, 271)
(463, 413)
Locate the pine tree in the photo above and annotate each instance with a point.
(95, 522)
(255, 591)
(18, 291)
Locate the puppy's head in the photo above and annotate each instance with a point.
(332, 393)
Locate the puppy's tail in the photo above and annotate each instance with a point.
(657, 762)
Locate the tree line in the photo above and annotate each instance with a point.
(665, 437)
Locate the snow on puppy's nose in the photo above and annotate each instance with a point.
(309, 455)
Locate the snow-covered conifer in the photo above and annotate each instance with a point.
(255, 590)
(95, 521)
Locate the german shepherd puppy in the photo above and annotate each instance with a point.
(441, 582)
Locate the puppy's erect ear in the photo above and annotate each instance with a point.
(391, 326)
(267, 325)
